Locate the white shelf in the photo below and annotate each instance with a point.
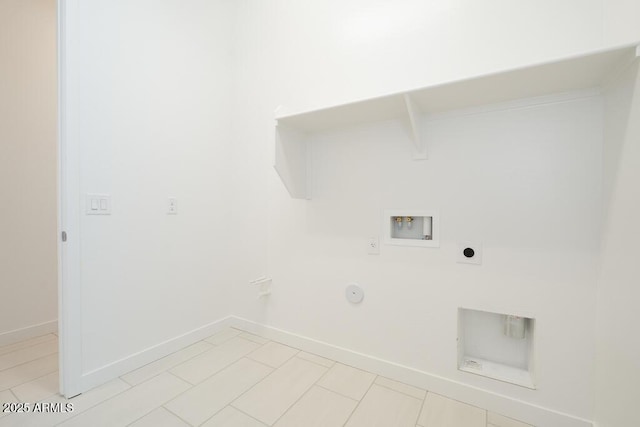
(583, 71)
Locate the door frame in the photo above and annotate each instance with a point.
(68, 189)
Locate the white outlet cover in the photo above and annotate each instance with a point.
(354, 293)
(477, 252)
(373, 246)
(172, 206)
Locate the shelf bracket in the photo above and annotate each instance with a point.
(419, 145)
(293, 161)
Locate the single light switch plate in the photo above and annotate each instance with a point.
(470, 252)
(373, 246)
(172, 206)
(98, 204)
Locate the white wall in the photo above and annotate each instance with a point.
(177, 99)
(620, 23)
(155, 83)
(536, 209)
(28, 259)
(618, 340)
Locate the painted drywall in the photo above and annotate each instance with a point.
(535, 207)
(28, 114)
(618, 341)
(154, 84)
(620, 21)
(176, 99)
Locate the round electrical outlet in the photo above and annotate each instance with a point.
(469, 252)
(354, 293)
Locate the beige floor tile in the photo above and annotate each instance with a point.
(38, 389)
(347, 381)
(208, 363)
(7, 397)
(160, 418)
(166, 363)
(132, 404)
(27, 343)
(80, 403)
(273, 354)
(315, 359)
(205, 399)
(501, 421)
(223, 336)
(319, 407)
(27, 354)
(418, 393)
(254, 338)
(382, 407)
(29, 371)
(271, 397)
(439, 411)
(231, 417)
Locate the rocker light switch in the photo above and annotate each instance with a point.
(98, 204)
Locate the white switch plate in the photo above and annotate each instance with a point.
(172, 206)
(477, 252)
(98, 204)
(373, 246)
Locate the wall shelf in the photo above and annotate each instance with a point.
(589, 70)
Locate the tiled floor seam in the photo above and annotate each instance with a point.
(360, 401)
(239, 410)
(29, 361)
(30, 381)
(250, 340)
(250, 388)
(248, 356)
(256, 342)
(215, 373)
(231, 403)
(402, 392)
(167, 369)
(294, 403)
(92, 406)
(307, 360)
(28, 346)
(459, 401)
(159, 406)
(338, 393)
(170, 411)
(424, 402)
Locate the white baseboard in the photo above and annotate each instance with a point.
(11, 337)
(120, 367)
(527, 412)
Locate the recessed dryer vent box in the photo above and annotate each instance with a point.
(496, 345)
(411, 228)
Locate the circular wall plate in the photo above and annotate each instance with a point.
(354, 293)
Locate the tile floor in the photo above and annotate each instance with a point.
(231, 379)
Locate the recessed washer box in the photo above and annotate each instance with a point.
(497, 345)
(411, 228)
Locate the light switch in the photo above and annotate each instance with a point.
(98, 204)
